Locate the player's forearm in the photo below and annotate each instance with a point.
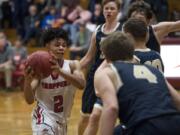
(75, 79)
(108, 120)
(85, 61)
(28, 92)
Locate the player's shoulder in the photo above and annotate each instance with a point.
(107, 70)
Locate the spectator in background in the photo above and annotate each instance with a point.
(49, 19)
(19, 54)
(5, 60)
(97, 15)
(32, 23)
(92, 3)
(124, 9)
(70, 3)
(42, 8)
(160, 9)
(55, 3)
(19, 14)
(19, 57)
(80, 48)
(73, 19)
(6, 10)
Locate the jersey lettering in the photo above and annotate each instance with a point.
(155, 63)
(58, 104)
(142, 72)
(54, 85)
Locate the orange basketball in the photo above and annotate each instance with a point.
(39, 62)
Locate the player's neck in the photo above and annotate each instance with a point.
(140, 45)
(127, 60)
(110, 26)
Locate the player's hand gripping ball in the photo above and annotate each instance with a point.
(39, 61)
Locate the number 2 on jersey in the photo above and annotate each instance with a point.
(142, 72)
(58, 104)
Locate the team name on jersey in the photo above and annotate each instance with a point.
(54, 85)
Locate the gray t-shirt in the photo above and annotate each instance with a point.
(6, 54)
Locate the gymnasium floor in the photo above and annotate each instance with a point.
(15, 114)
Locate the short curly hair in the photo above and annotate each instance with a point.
(54, 33)
(137, 28)
(140, 6)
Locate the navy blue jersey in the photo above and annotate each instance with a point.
(152, 42)
(149, 57)
(89, 96)
(143, 94)
(99, 37)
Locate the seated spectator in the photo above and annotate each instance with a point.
(73, 19)
(19, 57)
(80, 48)
(50, 19)
(19, 54)
(5, 60)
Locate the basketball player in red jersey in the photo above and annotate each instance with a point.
(53, 94)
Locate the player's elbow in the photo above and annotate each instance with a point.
(82, 84)
(112, 108)
(29, 101)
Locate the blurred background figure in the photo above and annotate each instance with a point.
(97, 15)
(6, 15)
(19, 54)
(79, 49)
(32, 23)
(50, 19)
(6, 67)
(20, 11)
(18, 60)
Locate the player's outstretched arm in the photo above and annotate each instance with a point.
(88, 58)
(104, 85)
(175, 95)
(30, 84)
(162, 29)
(76, 77)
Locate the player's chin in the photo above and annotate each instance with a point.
(60, 55)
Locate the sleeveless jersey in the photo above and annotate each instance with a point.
(55, 95)
(100, 35)
(143, 93)
(152, 42)
(149, 57)
(89, 96)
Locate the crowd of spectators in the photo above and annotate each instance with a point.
(30, 17)
(11, 62)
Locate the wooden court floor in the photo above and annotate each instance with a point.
(15, 114)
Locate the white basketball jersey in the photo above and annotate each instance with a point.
(55, 95)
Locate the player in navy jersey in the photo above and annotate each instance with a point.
(53, 94)
(110, 11)
(138, 30)
(137, 94)
(157, 32)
